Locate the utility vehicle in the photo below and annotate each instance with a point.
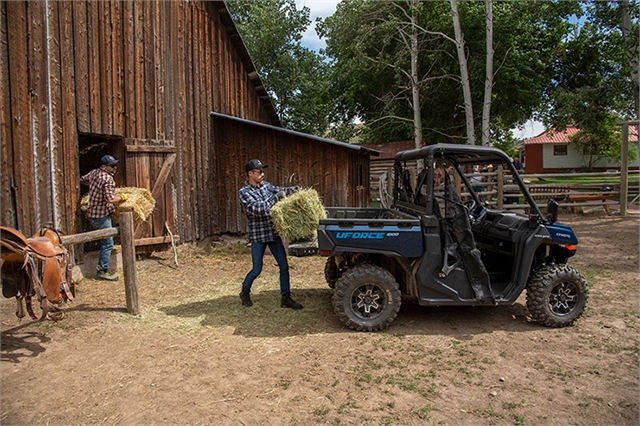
(443, 242)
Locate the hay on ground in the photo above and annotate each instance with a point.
(140, 202)
(296, 217)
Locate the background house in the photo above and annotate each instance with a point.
(553, 152)
(138, 80)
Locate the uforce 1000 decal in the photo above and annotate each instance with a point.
(365, 235)
(401, 241)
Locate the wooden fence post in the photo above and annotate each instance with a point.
(129, 262)
(390, 185)
(624, 170)
(500, 187)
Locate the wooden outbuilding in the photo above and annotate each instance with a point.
(168, 88)
(384, 162)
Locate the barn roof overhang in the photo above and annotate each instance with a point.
(243, 53)
(350, 146)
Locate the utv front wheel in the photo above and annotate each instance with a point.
(557, 295)
(367, 298)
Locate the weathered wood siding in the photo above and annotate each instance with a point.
(339, 174)
(142, 71)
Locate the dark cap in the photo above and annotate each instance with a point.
(108, 160)
(254, 164)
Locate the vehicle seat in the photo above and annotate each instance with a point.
(459, 228)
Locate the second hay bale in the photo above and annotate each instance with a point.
(296, 217)
(140, 202)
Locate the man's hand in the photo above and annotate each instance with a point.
(123, 197)
(292, 189)
(280, 195)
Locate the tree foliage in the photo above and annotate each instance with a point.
(595, 79)
(296, 77)
(362, 40)
(565, 62)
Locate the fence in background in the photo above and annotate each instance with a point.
(500, 190)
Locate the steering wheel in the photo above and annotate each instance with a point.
(476, 210)
(470, 206)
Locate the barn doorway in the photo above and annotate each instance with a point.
(91, 148)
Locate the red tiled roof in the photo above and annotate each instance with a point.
(553, 136)
(390, 149)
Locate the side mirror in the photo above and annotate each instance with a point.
(552, 211)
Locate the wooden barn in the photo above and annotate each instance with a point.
(169, 88)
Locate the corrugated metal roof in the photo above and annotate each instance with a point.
(362, 148)
(562, 137)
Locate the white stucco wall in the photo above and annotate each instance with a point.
(575, 160)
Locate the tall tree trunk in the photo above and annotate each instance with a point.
(415, 88)
(488, 81)
(464, 74)
(632, 51)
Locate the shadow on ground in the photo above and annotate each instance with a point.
(266, 319)
(20, 344)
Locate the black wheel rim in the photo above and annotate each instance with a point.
(563, 299)
(368, 301)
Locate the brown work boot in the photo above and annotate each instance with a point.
(107, 276)
(246, 299)
(288, 302)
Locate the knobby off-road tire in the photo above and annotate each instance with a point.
(331, 272)
(367, 298)
(557, 295)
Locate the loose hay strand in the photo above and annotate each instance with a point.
(297, 216)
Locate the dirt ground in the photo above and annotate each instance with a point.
(196, 356)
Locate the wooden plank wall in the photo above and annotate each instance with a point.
(144, 71)
(136, 69)
(293, 160)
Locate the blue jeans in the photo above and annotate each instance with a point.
(257, 255)
(106, 244)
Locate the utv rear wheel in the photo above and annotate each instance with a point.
(557, 295)
(331, 272)
(366, 298)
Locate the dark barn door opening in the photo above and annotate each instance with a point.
(91, 148)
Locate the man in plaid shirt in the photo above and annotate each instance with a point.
(256, 199)
(102, 197)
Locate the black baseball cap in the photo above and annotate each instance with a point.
(254, 164)
(108, 160)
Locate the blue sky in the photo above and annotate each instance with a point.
(324, 8)
(319, 8)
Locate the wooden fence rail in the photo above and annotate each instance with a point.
(501, 191)
(569, 195)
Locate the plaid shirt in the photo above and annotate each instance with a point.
(256, 203)
(102, 187)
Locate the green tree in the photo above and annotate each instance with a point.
(363, 42)
(595, 79)
(296, 78)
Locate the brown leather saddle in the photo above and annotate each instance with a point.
(40, 266)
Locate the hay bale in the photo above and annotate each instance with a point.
(139, 202)
(296, 217)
